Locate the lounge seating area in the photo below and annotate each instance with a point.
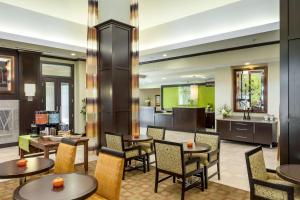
(149, 100)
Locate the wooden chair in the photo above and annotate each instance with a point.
(109, 172)
(212, 157)
(264, 183)
(170, 159)
(157, 133)
(65, 157)
(116, 142)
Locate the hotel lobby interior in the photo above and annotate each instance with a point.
(149, 99)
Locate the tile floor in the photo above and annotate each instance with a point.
(233, 166)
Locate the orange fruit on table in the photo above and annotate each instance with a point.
(58, 182)
(22, 163)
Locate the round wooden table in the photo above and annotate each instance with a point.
(290, 172)
(34, 166)
(141, 138)
(76, 186)
(197, 148)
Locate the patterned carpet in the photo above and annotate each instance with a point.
(140, 186)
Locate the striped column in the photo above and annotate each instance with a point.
(134, 20)
(91, 71)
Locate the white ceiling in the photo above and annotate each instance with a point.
(71, 10)
(157, 12)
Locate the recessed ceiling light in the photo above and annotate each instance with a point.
(73, 54)
(163, 78)
(165, 55)
(247, 63)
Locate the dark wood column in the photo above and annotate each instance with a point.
(114, 72)
(29, 63)
(290, 81)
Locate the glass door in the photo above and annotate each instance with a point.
(58, 96)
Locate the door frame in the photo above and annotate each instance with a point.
(59, 79)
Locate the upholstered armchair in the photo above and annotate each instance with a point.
(212, 157)
(65, 157)
(264, 183)
(157, 133)
(109, 172)
(170, 159)
(116, 142)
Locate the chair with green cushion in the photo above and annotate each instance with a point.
(212, 157)
(157, 133)
(116, 142)
(264, 183)
(170, 159)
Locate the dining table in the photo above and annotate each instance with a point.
(136, 139)
(289, 172)
(196, 148)
(76, 186)
(10, 169)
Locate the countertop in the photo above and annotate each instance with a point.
(253, 119)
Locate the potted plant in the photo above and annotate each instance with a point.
(225, 111)
(148, 101)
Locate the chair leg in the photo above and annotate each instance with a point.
(182, 188)
(144, 164)
(123, 178)
(156, 180)
(174, 179)
(148, 162)
(202, 181)
(218, 168)
(206, 177)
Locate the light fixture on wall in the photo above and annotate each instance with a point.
(29, 89)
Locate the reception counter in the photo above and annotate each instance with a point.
(180, 119)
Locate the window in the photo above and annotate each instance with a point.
(250, 89)
(184, 95)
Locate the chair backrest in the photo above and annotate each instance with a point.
(256, 164)
(158, 133)
(65, 157)
(114, 141)
(169, 156)
(109, 172)
(209, 138)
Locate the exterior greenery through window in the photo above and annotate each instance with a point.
(250, 89)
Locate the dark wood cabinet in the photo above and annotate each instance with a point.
(262, 133)
(242, 131)
(224, 129)
(210, 119)
(251, 132)
(164, 120)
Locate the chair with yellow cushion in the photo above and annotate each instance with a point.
(157, 133)
(116, 142)
(65, 157)
(109, 172)
(170, 159)
(264, 183)
(212, 157)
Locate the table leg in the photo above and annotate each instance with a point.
(22, 153)
(86, 157)
(22, 180)
(46, 152)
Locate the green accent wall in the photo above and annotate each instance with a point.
(170, 97)
(206, 95)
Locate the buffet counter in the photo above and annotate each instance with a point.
(181, 119)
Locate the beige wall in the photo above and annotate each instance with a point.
(224, 93)
(145, 93)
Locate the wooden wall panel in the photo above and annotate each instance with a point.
(29, 63)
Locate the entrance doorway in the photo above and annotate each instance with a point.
(58, 91)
